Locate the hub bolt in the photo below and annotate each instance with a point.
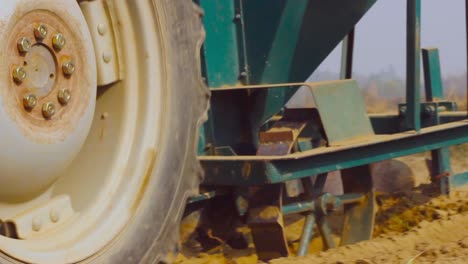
(19, 74)
(58, 41)
(24, 45)
(68, 68)
(48, 110)
(64, 96)
(40, 32)
(29, 101)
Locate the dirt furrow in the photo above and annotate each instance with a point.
(441, 241)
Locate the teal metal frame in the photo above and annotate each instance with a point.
(278, 43)
(263, 42)
(255, 170)
(256, 55)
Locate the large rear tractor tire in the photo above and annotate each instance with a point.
(104, 177)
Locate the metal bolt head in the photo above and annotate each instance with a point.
(107, 56)
(64, 96)
(102, 29)
(24, 45)
(68, 68)
(54, 215)
(29, 101)
(58, 41)
(19, 74)
(243, 75)
(37, 224)
(48, 110)
(40, 32)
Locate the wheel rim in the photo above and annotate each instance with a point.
(105, 181)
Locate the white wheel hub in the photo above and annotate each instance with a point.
(48, 77)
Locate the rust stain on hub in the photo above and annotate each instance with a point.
(31, 122)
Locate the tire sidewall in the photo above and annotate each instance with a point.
(152, 235)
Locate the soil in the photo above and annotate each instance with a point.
(413, 225)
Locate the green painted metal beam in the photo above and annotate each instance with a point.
(440, 166)
(434, 92)
(392, 123)
(432, 74)
(306, 236)
(413, 65)
(347, 53)
(466, 30)
(248, 170)
(221, 48)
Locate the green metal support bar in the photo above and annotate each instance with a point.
(441, 169)
(369, 154)
(434, 92)
(413, 67)
(244, 76)
(347, 52)
(390, 123)
(296, 208)
(254, 170)
(309, 206)
(307, 233)
(432, 74)
(221, 49)
(325, 232)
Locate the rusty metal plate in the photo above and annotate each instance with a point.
(265, 220)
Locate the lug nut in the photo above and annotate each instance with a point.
(24, 45)
(68, 68)
(29, 101)
(19, 74)
(40, 32)
(58, 41)
(64, 96)
(48, 110)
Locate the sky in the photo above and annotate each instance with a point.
(381, 37)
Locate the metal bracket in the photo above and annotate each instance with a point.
(37, 220)
(283, 138)
(100, 25)
(340, 104)
(265, 220)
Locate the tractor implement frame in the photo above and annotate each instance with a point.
(256, 56)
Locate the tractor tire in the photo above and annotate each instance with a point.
(169, 174)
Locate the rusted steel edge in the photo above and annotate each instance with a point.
(442, 175)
